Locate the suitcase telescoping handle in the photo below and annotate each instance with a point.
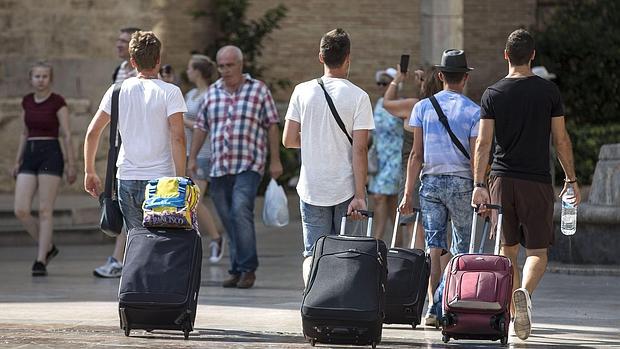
(498, 231)
(364, 213)
(398, 224)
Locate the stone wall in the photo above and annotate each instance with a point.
(487, 24)
(380, 32)
(78, 37)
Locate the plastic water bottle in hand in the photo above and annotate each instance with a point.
(569, 213)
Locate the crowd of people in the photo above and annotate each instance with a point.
(222, 131)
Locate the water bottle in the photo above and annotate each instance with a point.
(569, 213)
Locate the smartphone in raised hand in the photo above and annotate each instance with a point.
(404, 63)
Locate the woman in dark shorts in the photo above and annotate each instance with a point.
(39, 164)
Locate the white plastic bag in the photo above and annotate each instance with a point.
(275, 210)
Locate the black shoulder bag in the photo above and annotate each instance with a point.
(111, 221)
(332, 107)
(444, 121)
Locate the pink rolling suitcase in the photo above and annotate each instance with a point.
(478, 291)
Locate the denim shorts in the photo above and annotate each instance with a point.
(318, 221)
(203, 168)
(442, 196)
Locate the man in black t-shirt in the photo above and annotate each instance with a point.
(523, 110)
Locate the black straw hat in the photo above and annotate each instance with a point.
(453, 61)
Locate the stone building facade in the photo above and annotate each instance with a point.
(78, 37)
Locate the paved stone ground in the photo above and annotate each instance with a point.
(72, 309)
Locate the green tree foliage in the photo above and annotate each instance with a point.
(233, 28)
(581, 44)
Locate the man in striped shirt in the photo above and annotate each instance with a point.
(242, 121)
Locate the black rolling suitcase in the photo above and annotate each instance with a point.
(407, 281)
(160, 280)
(344, 300)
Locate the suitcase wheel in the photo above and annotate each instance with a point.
(504, 340)
(312, 342)
(127, 331)
(414, 325)
(186, 334)
(374, 345)
(445, 338)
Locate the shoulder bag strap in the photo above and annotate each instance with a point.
(115, 143)
(444, 121)
(332, 107)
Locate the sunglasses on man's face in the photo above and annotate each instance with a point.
(382, 83)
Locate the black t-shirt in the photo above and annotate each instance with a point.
(522, 109)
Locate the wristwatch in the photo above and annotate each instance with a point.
(480, 185)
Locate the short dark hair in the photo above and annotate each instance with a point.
(335, 47)
(519, 47)
(130, 30)
(453, 77)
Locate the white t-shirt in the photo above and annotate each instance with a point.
(326, 177)
(144, 108)
(193, 101)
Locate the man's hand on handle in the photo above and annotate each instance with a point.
(357, 204)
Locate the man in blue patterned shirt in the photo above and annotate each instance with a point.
(242, 121)
(445, 165)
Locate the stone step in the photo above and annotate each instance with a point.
(63, 235)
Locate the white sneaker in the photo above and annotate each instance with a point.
(430, 320)
(111, 269)
(523, 313)
(217, 250)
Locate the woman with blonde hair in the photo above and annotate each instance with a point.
(200, 71)
(39, 164)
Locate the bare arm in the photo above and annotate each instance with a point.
(564, 149)
(414, 166)
(65, 128)
(275, 166)
(291, 137)
(472, 150)
(177, 138)
(360, 172)
(19, 157)
(481, 159)
(92, 183)
(198, 139)
(400, 108)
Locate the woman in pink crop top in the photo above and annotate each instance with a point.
(39, 163)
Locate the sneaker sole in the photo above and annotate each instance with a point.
(430, 322)
(522, 323)
(39, 273)
(95, 273)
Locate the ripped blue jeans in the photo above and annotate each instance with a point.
(442, 196)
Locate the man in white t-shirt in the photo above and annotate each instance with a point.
(150, 122)
(334, 164)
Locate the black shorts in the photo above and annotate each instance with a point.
(42, 156)
(528, 211)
